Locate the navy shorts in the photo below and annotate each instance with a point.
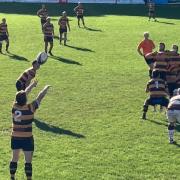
(149, 61)
(3, 37)
(163, 101)
(63, 30)
(26, 144)
(80, 16)
(20, 86)
(48, 39)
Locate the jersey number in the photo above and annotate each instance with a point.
(17, 116)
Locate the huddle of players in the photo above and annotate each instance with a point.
(164, 83)
(63, 22)
(22, 118)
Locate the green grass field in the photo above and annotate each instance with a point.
(89, 127)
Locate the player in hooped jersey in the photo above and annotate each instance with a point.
(43, 14)
(158, 93)
(25, 78)
(151, 13)
(63, 24)
(173, 115)
(48, 30)
(4, 34)
(79, 10)
(22, 137)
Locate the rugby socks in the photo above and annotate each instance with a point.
(12, 169)
(145, 109)
(171, 133)
(7, 46)
(28, 170)
(0, 47)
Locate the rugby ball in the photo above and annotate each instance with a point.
(42, 57)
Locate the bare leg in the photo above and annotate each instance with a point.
(65, 38)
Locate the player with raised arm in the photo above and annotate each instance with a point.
(79, 10)
(63, 24)
(48, 30)
(4, 34)
(42, 14)
(25, 78)
(22, 137)
(146, 46)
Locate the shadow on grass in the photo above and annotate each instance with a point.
(56, 37)
(91, 29)
(56, 130)
(79, 48)
(164, 22)
(15, 57)
(157, 122)
(64, 60)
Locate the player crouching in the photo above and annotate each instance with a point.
(158, 91)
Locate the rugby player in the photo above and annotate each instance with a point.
(160, 61)
(22, 137)
(173, 67)
(63, 24)
(151, 6)
(43, 14)
(146, 46)
(25, 78)
(48, 30)
(79, 10)
(173, 115)
(158, 93)
(4, 34)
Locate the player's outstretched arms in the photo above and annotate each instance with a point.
(42, 93)
(31, 86)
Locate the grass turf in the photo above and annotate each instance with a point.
(88, 126)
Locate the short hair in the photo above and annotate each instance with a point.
(146, 33)
(175, 47)
(21, 98)
(162, 43)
